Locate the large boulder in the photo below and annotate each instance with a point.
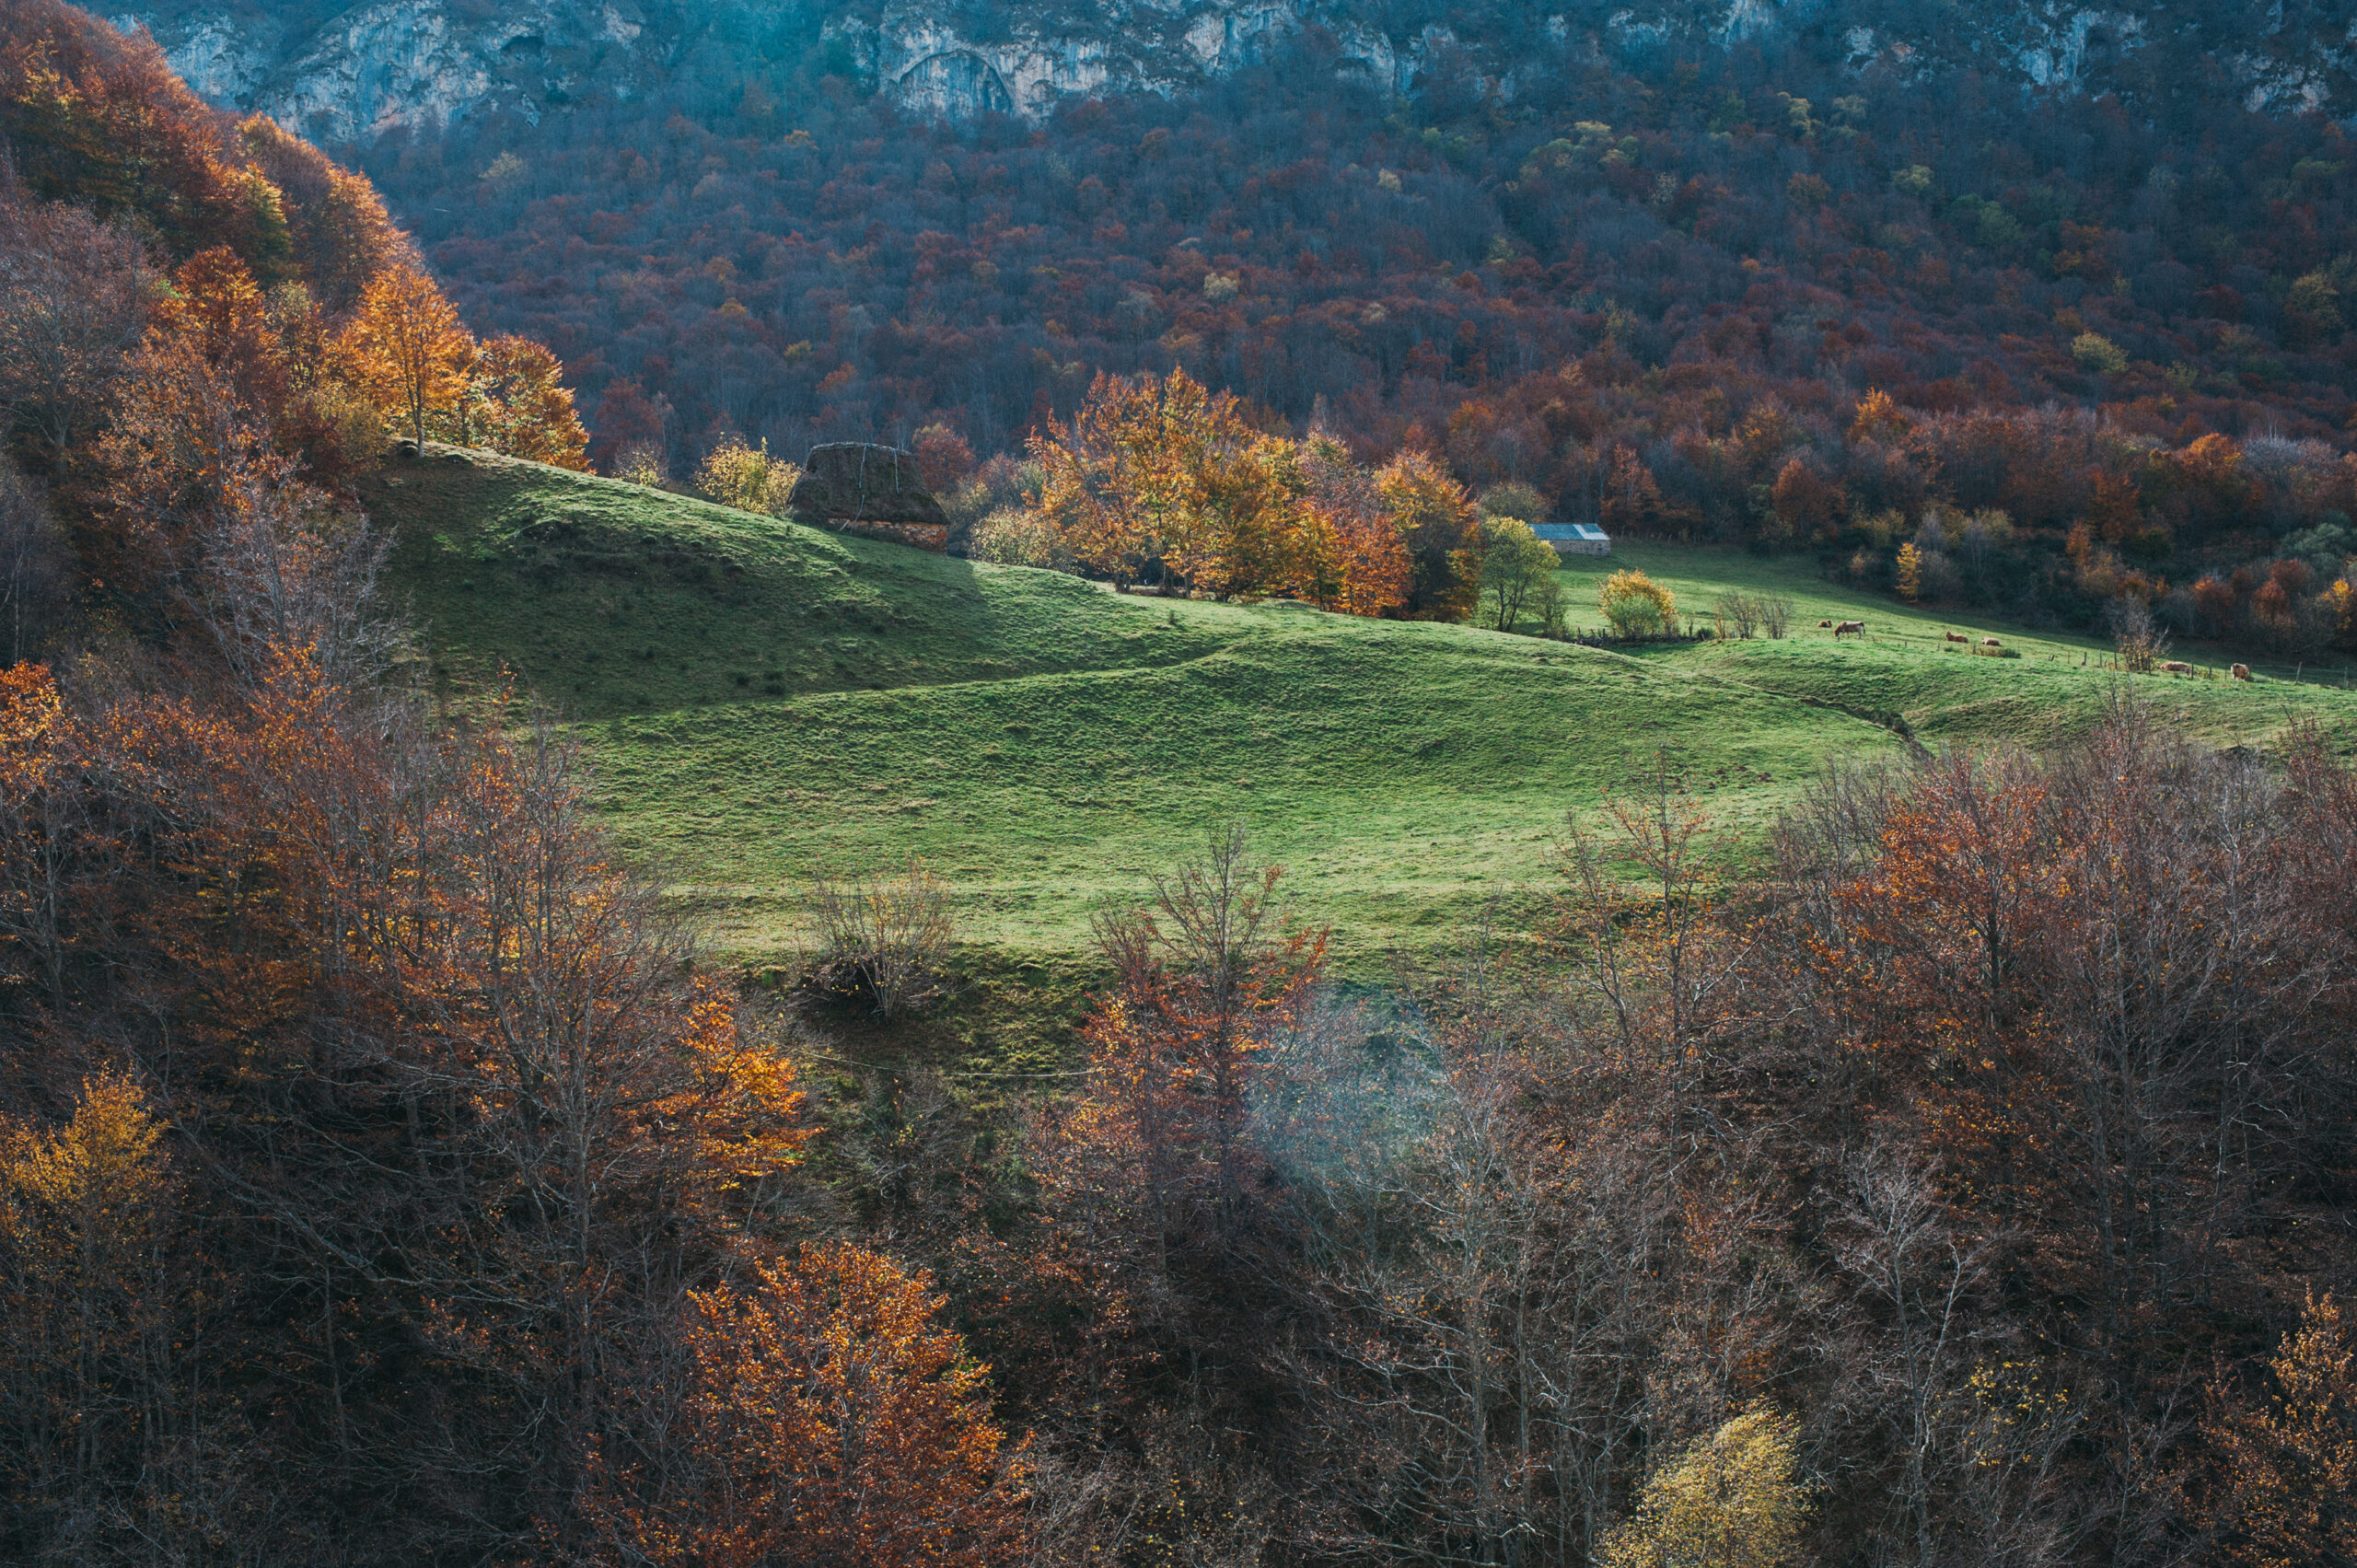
(860, 487)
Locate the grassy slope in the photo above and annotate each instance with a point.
(1906, 668)
(763, 699)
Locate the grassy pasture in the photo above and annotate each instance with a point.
(1905, 666)
(761, 699)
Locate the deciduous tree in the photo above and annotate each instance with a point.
(829, 1418)
(405, 346)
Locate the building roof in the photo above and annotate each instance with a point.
(1583, 533)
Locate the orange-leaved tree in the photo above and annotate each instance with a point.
(1359, 561)
(518, 404)
(217, 305)
(1434, 518)
(407, 348)
(830, 1418)
(1123, 479)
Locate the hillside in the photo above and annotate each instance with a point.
(763, 699)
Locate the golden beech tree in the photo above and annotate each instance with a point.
(219, 307)
(831, 1419)
(1435, 521)
(2287, 1468)
(1253, 535)
(406, 346)
(83, 1294)
(1124, 478)
(522, 406)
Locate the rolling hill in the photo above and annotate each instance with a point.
(764, 700)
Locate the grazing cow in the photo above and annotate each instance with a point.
(2176, 666)
(1847, 627)
(2240, 672)
(1991, 643)
(1956, 637)
(1823, 624)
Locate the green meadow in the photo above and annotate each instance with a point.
(763, 701)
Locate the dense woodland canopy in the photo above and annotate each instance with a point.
(1661, 283)
(384, 1177)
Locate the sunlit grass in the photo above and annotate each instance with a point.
(763, 699)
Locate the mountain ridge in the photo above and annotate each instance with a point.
(350, 73)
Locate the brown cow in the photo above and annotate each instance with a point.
(1823, 624)
(1956, 637)
(2240, 672)
(1991, 643)
(1849, 626)
(2176, 666)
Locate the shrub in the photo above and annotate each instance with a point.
(1636, 605)
(2141, 645)
(1013, 537)
(747, 478)
(1002, 482)
(641, 463)
(886, 936)
(1742, 616)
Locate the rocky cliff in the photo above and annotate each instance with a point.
(347, 72)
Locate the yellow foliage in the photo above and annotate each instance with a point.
(1730, 1500)
(1910, 572)
(1636, 605)
(80, 1197)
(747, 478)
(2289, 1468)
(1878, 418)
(406, 349)
(516, 404)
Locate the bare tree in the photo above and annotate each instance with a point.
(888, 934)
(33, 567)
(72, 303)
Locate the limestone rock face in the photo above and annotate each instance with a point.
(359, 71)
(857, 487)
(351, 70)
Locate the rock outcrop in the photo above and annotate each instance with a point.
(345, 72)
(361, 71)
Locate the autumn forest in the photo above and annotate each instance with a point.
(1946, 1158)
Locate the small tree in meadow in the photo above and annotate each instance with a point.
(641, 463)
(1636, 605)
(1517, 566)
(1910, 572)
